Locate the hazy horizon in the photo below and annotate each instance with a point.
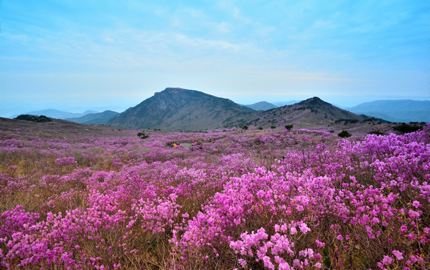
(66, 55)
(341, 101)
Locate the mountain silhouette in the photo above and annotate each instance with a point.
(181, 109)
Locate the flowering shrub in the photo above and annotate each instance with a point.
(66, 161)
(241, 199)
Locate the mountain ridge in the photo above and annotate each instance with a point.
(190, 110)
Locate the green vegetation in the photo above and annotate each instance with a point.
(377, 133)
(347, 121)
(289, 127)
(344, 134)
(34, 118)
(142, 135)
(407, 128)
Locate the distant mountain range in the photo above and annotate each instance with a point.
(396, 110)
(261, 106)
(283, 103)
(57, 114)
(87, 117)
(95, 118)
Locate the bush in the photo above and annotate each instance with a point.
(407, 128)
(377, 133)
(344, 134)
(347, 121)
(142, 135)
(289, 127)
(34, 118)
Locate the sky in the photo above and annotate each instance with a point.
(77, 55)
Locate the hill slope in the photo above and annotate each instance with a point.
(181, 109)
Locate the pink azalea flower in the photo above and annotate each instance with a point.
(398, 255)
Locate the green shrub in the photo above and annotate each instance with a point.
(377, 133)
(344, 134)
(289, 127)
(407, 128)
(34, 118)
(142, 135)
(347, 121)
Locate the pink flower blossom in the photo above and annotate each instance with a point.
(319, 243)
(304, 228)
(416, 204)
(293, 230)
(387, 260)
(413, 214)
(398, 254)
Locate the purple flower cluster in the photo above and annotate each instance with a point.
(66, 161)
(236, 199)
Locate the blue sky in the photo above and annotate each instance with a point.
(113, 54)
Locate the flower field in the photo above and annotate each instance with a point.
(245, 199)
